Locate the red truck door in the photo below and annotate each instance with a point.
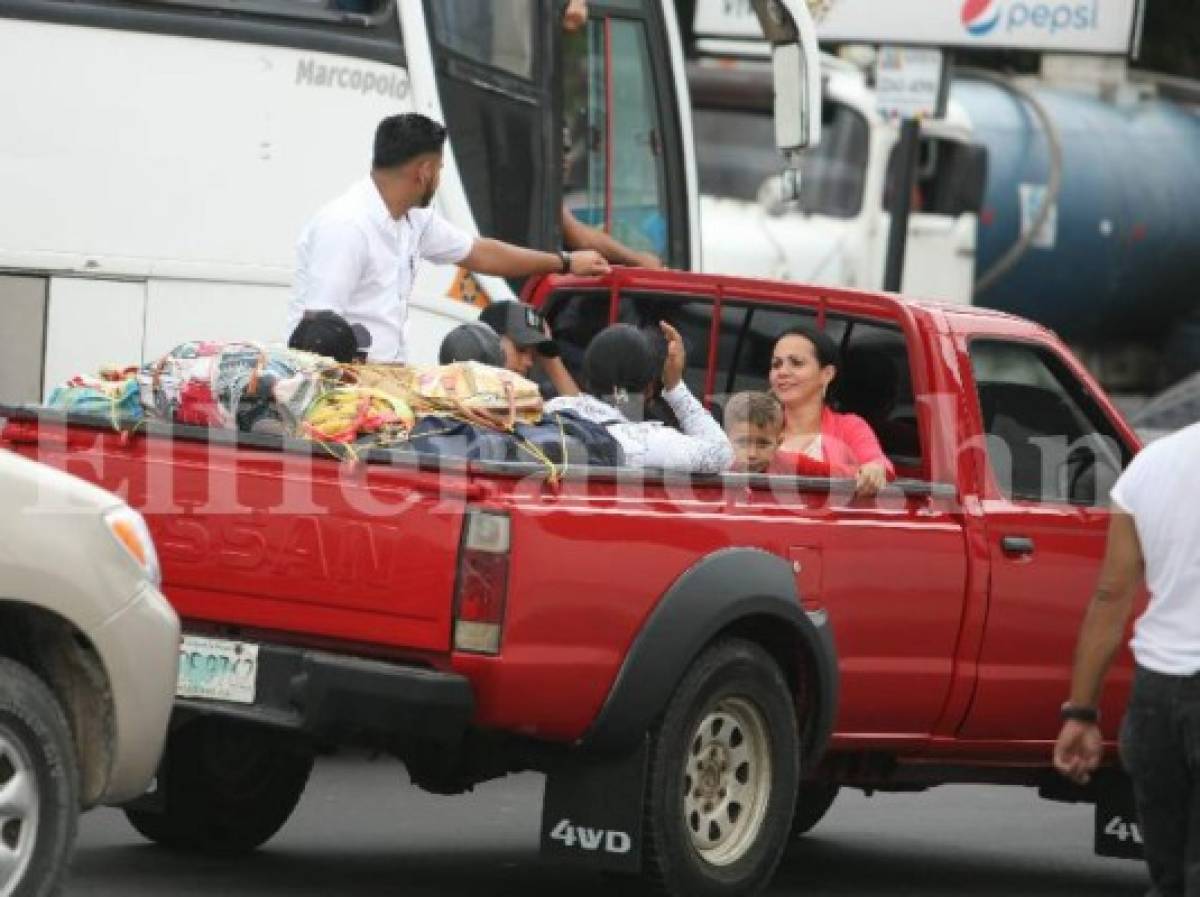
(1052, 454)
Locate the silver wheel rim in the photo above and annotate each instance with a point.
(18, 813)
(727, 781)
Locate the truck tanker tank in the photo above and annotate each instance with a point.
(1119, 260)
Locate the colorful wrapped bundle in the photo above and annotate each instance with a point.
(477, 393)
(114, 395)
(348, 413)
(234, 385)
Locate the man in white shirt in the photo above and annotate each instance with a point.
(1154, 535)
(358, 256)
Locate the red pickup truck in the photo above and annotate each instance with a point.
(697, 663)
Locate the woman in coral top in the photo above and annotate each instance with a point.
(816, 440)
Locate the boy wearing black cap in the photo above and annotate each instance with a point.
(524, 335)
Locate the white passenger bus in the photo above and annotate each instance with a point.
(158, 158)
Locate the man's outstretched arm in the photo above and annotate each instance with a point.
(577, 235)
(502, 259)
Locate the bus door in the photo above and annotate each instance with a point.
(496, 71)
(539, 117)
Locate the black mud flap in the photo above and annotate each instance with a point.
(592, 811)
(1118, 832)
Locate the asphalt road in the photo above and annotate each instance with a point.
(362, 831)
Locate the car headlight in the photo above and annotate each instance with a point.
(132, 534)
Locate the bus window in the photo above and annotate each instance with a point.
(615, 170)
(498, 34)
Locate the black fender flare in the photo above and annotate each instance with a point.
(724, 591)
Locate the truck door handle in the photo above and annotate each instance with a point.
(1015, 546)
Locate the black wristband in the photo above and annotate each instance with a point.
(549, 349)
(566, 262)
(1070, 711)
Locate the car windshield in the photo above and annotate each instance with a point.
(737, 156)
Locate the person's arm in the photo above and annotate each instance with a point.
(1079, 746)
(702, 446)
(502, 259)
(875, 469)
(577, 235)
(560, 378)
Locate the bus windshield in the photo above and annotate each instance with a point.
(736, 156)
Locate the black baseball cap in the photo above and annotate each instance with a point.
(472, 342)
(327, 333)
(521, 323)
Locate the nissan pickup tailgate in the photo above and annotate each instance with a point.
(281, 541)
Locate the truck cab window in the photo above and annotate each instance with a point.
(615, 165)
(746, 341)
(874, 380)
(576, 318)
(951, 177)
(1047, 439)
(691, 317)
(736, 157)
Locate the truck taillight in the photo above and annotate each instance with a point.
(482, 591)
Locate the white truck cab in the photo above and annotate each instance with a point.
(837, 233)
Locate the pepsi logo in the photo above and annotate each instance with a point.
(980, 17)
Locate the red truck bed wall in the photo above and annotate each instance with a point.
(589, 568)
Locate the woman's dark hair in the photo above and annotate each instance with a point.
(618, 366)
(400, 138)
(824, 346)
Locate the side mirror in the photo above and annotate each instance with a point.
(796, 66)
(772, 196)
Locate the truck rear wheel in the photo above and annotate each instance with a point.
(724, 772)
(228, 787)
(39, 786)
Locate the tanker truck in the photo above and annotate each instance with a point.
(1113, 265)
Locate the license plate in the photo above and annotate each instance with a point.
(217, 669)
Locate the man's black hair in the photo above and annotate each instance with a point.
(401, 138)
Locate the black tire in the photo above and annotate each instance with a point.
(37, 756)
(724, 772)
(228, 787)
(812, 803)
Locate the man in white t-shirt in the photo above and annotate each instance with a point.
(1154, 535)
(358, 256)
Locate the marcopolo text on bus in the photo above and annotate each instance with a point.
(316, 74)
